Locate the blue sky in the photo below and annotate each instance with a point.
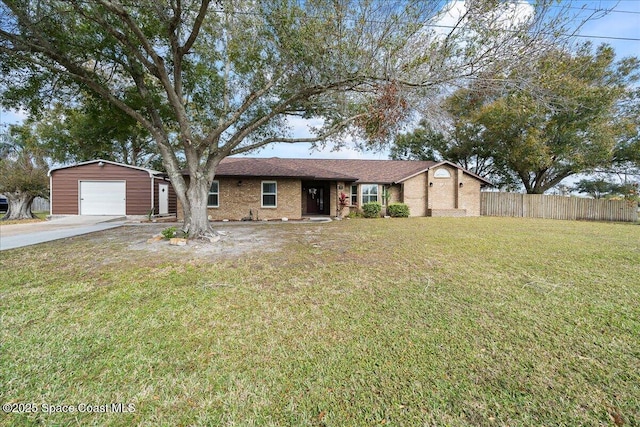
(620, 28)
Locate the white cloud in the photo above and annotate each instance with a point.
(300, 128)
(505, 16)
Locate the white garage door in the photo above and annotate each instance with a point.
(103, 198)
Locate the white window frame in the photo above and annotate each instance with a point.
(262, 194)
(362, 191)
(352, 194)
(213, 192)
(442, 173)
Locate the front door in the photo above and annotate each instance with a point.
(163, 199)
(316, 196)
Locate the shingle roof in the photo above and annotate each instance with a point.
(373, 171)
(279, 168)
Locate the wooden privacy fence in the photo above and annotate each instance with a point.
(40, 205)
(557, 207)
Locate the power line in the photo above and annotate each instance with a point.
(586, 9)
(451, 27)
(585, 36)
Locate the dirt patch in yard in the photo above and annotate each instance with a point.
(235, 240)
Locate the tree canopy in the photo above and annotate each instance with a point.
(601, 188)
(93, 129)
(626, 156)
(214, 79)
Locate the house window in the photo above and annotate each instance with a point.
(213, 200)
(369, 193)
(441, 173)
(354, 195)
(269, 194)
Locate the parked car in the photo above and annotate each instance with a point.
(4, 204)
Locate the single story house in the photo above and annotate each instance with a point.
(102, 187)
(275, 188)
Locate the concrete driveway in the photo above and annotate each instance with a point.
(19, 235)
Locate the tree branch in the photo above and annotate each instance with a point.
(128, 44)
(329, 132)
(280, 108)
(202, 13)
(246, 104)
(174, 99)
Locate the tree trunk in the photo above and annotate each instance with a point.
(196, 217)
(19, 206)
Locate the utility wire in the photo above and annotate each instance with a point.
(451, 27)
(586, 9)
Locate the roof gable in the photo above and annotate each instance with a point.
(446, 162)
(151, 172)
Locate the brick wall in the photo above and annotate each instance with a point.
(414, 194)
(443, 193)
(394, 190)
(448, 197)
(235, 200)
(469, 194)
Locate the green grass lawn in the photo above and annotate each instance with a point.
(425, 321)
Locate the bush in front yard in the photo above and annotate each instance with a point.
(398, 210)
(371, 209)
(169, 232)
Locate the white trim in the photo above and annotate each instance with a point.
(151, 172)
(209, 193)
(441, 173)
(445, 162)
(262, 194)
(362, 202)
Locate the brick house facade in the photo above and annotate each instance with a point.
(274, 188)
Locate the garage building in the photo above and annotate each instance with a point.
(102, 187)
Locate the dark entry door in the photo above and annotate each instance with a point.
(317, 198)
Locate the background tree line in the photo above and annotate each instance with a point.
(574, 113)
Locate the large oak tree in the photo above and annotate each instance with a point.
(23, 172)
(230, 73)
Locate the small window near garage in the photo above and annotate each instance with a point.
(354, 195)
(269, 194)
(369, 193)
(214, 195)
